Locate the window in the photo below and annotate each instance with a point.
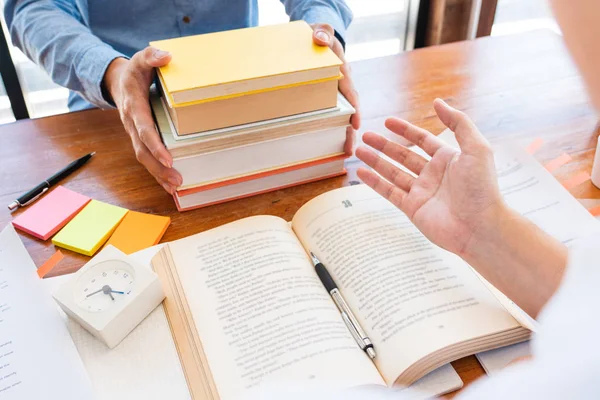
(380, 27)
(42, 96)
(6, 114)
(517, 16)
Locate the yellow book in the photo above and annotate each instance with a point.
(90, 228)
(249, 60)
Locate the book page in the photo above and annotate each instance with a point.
(261, 313)
(532, 191)
(38, 359)
(412, 297)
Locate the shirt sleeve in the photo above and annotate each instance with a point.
(333, 12)
(54, 35)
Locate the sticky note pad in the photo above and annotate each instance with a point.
(90, 228)
(138, 231)
(46, 216)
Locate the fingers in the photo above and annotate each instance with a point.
(350, 139)
(323, 34)
(346, 86)
(420, 137)
(168, 178)
(392, 193)
(395, 151)
(469, 138)
(151, 57)
(144, 125)
(390, 172)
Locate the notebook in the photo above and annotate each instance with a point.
(88, 231)
(46, 216)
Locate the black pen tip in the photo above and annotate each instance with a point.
(312, 254)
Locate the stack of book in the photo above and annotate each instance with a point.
(249, 111)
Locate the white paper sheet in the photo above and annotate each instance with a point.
(494, 361)
(38, 359)
(145, 365)
(436, 383)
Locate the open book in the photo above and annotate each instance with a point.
(246, 306)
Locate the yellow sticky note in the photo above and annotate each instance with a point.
(90, 228)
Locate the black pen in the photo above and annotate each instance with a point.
(43, 187)
(350, 320)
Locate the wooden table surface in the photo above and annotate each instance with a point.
(522, 86)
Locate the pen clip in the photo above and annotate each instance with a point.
(44, 190)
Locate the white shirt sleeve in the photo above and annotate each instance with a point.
(566, 350)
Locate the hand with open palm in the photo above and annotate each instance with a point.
(455, 194)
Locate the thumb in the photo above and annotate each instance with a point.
(322, 34)
(152, 57)
(469, 138)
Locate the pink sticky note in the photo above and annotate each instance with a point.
(46, 216)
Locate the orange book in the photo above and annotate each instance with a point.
(138, 231)
(258, 183)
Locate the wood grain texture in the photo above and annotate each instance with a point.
(514, 87)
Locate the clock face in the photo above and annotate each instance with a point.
(104, 286)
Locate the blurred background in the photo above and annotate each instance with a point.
(380, 28)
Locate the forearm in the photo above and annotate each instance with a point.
(53, 35)
(518, 258)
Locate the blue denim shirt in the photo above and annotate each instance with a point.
(75, 40)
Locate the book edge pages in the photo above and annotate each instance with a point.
(460, 350)
(189, 347)
(179, 99)
(343, 108)
(182, 209)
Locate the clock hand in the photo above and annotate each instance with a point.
(114, 291)
(91, 294)
(107, 290)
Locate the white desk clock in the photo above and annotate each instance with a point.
(110, 295)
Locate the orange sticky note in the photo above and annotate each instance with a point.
(535, 145)
(576, 180)
(595, 211)
(50, 263)
(558, 162)
(138, 231)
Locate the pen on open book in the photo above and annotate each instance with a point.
(350, 320)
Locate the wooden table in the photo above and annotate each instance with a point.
(521, 86)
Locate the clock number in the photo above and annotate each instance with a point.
(116, 272)
(85, 290)
(104, 274)
(125, 275)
